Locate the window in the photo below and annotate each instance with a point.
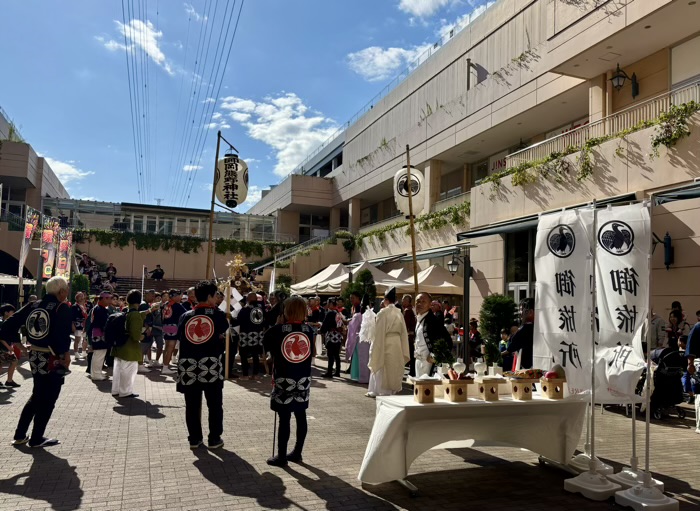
(138, 223)
(182, 226)
(151, 224)
(166, 226)
(520, 264)
(480, 171)
(451, 185)
(390, 209)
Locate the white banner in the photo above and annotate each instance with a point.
(622, 287)
(563, 265)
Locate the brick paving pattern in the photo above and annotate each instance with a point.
(133, 455)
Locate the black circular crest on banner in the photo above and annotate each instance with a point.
(561, 241)
(616, 237)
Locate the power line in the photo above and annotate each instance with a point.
(218, 91)
(131, 102)
(200, 123)
(194, 125)
(202, 32)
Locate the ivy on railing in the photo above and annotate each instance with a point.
(452, 215)
(185, 244)
(671, 127)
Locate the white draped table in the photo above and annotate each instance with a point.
(404, 429)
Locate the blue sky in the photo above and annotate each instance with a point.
(298, 70)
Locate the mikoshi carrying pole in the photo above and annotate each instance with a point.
(591, 484)
(228, 330)
(410, 220)
(647, 496)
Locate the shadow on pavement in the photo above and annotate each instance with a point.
(236, 477)
(50, 479)
(337, 493)
(136, 407)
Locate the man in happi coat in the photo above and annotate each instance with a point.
(389, 352)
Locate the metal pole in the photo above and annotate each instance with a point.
(213, 200)
(465, 306)
(410, 219)
(647, 445)
(594, 249)
(143, 277)
(228, 330)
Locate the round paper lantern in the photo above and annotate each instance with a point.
(401, 189)
(231, 183)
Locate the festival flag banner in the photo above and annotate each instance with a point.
(623, 247)
(563, 324)
(31, 223)
(49, 244)
(65, 243)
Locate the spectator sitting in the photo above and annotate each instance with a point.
(112, 273)
(157, 274)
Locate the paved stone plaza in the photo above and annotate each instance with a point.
(133, 455)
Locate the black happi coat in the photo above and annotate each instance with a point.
(251, 320)
(48, 324)
(79, 316)
(329, 329)
(202, 334)
(172, 312)
(98, 321)
(291, 348)
(434, 329)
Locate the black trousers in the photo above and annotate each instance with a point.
(285, 418)
(89, 362)
(233, 347)
(412, 362)
(214, 395)
(250, 351)
(333, 353)
(47, 388)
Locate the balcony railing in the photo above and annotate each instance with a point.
(450, 201)
(647, 110)
(14, 222)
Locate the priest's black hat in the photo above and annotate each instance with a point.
(391, 295)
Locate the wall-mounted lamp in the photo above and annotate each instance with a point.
(618, 81)
(668, 249)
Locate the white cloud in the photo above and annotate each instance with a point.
(423, 8)
(254, 196)
(378, 64)
(190, 168)
(67, 171)
(375, 64)
(139, 36)
(283, 123)
(192, 13)
(94, 199)
(209, 100)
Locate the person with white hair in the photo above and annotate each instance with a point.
(49, 324)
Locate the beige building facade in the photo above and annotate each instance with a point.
(526, 81)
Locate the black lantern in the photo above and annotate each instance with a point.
(620, 77)
(453, 266)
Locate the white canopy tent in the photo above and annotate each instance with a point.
(313, 284)
(382, 280)
(400, 274)
(435, 280)
(13, 280)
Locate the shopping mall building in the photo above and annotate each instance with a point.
(534, 106)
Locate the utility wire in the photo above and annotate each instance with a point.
(131, 101)
(218, 91)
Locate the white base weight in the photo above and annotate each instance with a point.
(582, 463)
(591, 485)
(641, 498)
(628, 477)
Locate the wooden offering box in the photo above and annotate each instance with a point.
(456, 390)
(488, 388)
(522, 388)
(553, 388)
(424, 391)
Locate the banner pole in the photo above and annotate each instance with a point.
(213, 201)
(411, 223)
(594, 330)
(143, 277)
(647, 450)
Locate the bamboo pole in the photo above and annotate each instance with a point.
(213, 201)
(410, 219)
(228, 330)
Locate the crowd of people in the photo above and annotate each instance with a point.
(279, 335)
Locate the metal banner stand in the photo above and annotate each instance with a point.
(592, 484)
(647, 495)
(582, 461)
